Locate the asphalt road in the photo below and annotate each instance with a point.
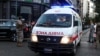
(8, 48)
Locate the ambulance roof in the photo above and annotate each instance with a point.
(60, 11)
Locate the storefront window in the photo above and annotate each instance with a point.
(36, 9)
(26, 12)
(37, 1)
(4, 15)
(42, 9)
(14, 10)
(46, 1)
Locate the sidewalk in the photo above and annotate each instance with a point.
(85, 31)
(86, 48)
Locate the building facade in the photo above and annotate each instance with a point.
(92, 9)
(32, 9)
(88, 8)
(28, 9)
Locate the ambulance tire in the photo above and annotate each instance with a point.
(74, 51)
(79, 44)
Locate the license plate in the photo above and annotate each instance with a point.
(47, 50)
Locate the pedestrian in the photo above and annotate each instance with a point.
(19, 30)
(92, 29)
(33, 23)
(95, 35)
(97, 39)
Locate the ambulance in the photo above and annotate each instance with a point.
(58, 30)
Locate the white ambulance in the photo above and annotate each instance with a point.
(58, 30)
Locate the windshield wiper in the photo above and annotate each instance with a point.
(43, 25)
(40, 24)
(56, 25)
(52, 25)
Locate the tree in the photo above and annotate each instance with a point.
(97, 3)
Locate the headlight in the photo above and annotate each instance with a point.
(65, 40)
(34, 38)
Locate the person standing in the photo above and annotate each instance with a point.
(97, 39)
(19, 30)
(95, 35)
(92, 29)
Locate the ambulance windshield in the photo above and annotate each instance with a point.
(55, 20)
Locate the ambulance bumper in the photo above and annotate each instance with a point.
(51, 47)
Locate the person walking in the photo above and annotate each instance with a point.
(92, 29)
(19, 30)
(95, 35)
(97, 39)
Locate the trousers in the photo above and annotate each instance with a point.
(20, 36)
(91, 38)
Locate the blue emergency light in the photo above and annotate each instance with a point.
(69, 6)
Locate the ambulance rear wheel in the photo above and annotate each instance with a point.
(79, 43)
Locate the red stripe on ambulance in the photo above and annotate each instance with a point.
(49, 33)
(74, 37)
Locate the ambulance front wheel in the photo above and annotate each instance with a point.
(74, 51)
(79, 43)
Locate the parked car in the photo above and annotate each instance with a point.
(8, 29)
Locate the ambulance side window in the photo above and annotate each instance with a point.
(75, 21)
(79, 21)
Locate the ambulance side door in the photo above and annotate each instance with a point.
(79, 29)
(76, 28)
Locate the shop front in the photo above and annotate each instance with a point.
(11, 9)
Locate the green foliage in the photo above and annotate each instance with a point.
(97, 18)
(87, 20)
(97, 3)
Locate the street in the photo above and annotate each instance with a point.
(8, 48)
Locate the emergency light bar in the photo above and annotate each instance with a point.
(62, 6)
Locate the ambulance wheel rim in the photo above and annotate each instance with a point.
(74, 51)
